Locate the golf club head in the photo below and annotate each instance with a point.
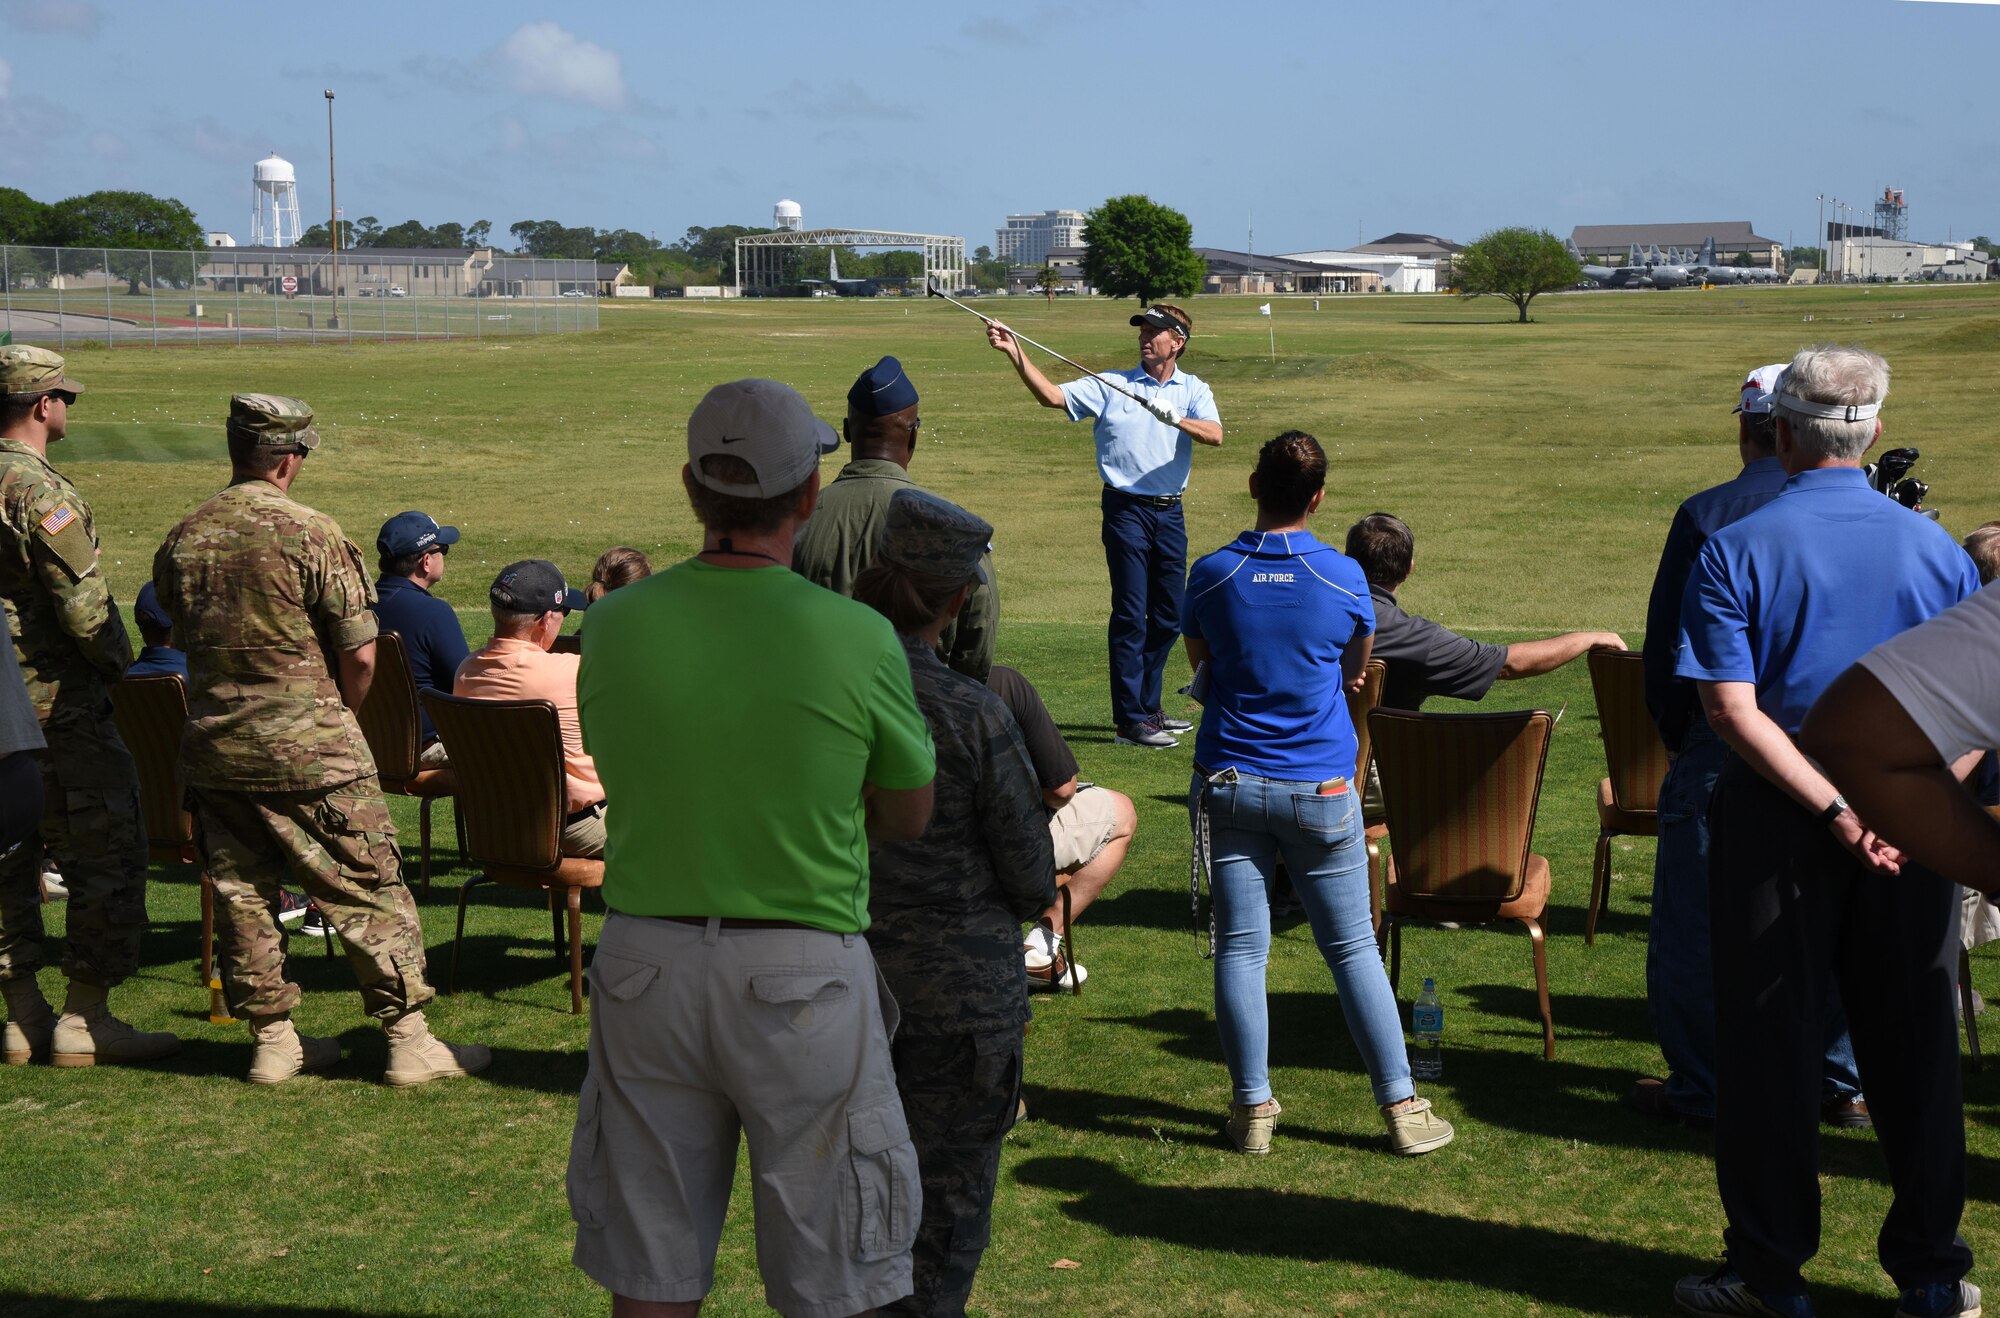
(1893, 466)
(1910, 493)
(931, 288)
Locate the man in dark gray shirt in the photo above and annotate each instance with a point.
(20, 777)
(1425, 659)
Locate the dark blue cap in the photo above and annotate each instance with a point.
(148, 611)
(882, 389)
(412, 533)
(534, 585)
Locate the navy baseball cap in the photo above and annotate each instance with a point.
(883, 388)
(1158, 319)
(148, 611)
(413, 532)
(535, 585)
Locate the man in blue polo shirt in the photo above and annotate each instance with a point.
(1144, 452)
(412, 549)
(1679, 994)
(1777, 606)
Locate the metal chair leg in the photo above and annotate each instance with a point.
(574, 901)
(464, 891)
(424, 840)
(1600, 886)
(1542, 987)
(1069, 940)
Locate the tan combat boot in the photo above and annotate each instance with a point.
(88, 1033)
(282, 1052)
(416, 1055)
(31, 1022)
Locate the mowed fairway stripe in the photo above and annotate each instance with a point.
(141, 442)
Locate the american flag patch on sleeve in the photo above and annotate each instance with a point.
(57, 520)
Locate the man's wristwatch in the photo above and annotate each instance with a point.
(1835, 810)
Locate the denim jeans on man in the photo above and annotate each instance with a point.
(1145, 548)
(1680, 986)
(1252, 821)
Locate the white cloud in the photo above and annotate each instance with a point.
(6, 78)
(109, 145)
(546, 59)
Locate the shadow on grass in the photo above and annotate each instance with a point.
(1138, 908)
(1536, 1263)
(1090, 1112)
(28, 1304)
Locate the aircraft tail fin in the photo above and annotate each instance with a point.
(1708, 251)
(1635, 257)
(833, 267)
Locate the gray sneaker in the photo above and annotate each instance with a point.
(1173, 725)
(1723, 1292)
(1144, 734)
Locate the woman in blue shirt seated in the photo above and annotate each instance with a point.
(1278, 625)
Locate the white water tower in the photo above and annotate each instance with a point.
(274, 201)
(787, 216)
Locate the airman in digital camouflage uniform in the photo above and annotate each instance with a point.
(270, 601)
(947, 909)
(71, 644)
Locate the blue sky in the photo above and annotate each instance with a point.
(1449, 118)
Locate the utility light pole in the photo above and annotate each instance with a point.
(333, 218)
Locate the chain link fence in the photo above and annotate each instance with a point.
(61, 296)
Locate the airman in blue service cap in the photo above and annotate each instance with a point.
(883, 388)
(924, 533)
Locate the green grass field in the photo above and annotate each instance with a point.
(1538, 465)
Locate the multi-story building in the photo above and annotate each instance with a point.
(1026, 239)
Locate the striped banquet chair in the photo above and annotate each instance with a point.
(1459, 792)
(1628, 800)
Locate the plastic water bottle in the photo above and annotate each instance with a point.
(1427, 1024)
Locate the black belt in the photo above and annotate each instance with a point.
(1150, 500)
(590, 811)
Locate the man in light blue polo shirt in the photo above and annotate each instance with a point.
(1146, 423)
(1777, 606)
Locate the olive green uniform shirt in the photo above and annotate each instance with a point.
(839, 541)
(265, 594)
(65, 627)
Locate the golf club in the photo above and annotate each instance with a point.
(931, 288)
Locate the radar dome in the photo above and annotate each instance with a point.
(275, 169)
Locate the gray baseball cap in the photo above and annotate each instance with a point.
(766, 424)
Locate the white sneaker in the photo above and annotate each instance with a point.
(1039, 949)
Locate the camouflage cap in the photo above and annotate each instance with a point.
(26, 369)
(272, 421)
(924, 533)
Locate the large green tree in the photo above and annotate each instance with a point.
(23, 220)
(1136, 247)
(124, 221)
(1517, 264)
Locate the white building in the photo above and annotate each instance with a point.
(1400, 273)
(1875, 259)
(1026, 239)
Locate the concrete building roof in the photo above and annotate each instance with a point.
(1728, 235)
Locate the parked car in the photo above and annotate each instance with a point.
(397, 290)
(573, 292)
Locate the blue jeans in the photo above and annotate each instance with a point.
(1145, 549)
(1251, 822)
(1680, 984)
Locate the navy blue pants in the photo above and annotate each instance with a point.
(1791, 915)
(1145, 547)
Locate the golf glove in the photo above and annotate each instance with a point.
(1164, 413)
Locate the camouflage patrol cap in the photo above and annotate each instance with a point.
(924, 533)
(272, 421)
(26, 369)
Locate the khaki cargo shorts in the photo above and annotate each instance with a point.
(1081, 828)
(697, 1033)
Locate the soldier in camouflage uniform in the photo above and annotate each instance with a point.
(839, 541)
(946, 909)
(71, 645)
(271, 602)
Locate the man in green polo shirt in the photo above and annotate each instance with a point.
(881, 428)
(755, 730)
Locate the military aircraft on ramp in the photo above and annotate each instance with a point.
(1610, 276)
(1708, 270)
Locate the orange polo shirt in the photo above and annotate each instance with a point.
(509, 669)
